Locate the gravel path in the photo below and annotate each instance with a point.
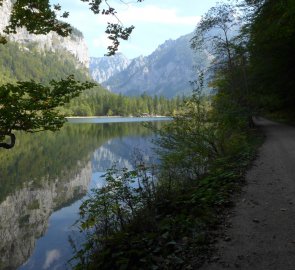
(262, 231)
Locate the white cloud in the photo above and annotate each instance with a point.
(153, 25)
(132, 50)
(51, 256)
(131, 14)
(151, 14)
(101, 41)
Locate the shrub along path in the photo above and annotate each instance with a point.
(261, 234)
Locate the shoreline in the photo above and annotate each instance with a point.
(90, 117)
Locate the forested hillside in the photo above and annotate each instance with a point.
(100, 103)
(20, 63)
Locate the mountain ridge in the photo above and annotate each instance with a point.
(108, 66)
(167, 71)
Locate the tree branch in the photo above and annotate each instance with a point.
(8, 145)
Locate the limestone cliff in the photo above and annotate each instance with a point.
(102, 68)
(24, 215)
(75, 44)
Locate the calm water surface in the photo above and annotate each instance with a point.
(45, 177)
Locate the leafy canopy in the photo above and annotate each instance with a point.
(31, 106)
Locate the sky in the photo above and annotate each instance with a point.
(155, 21)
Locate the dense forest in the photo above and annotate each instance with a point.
(271, 39)
(101, 103)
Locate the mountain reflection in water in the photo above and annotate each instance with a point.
(43, 180)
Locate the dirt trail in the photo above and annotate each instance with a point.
(262, 231)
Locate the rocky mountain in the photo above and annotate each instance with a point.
(124, 151)
(24, 215)
(73, 44)
(167, 71)
(102, 68)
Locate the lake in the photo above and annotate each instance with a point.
(46, 175)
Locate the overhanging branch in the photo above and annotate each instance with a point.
(8, 145)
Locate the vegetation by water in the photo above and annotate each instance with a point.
(204, 151)
(48, 171)
(160, 217)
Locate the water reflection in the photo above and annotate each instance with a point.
(24, 214)
(50, 171)
(123, 151)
